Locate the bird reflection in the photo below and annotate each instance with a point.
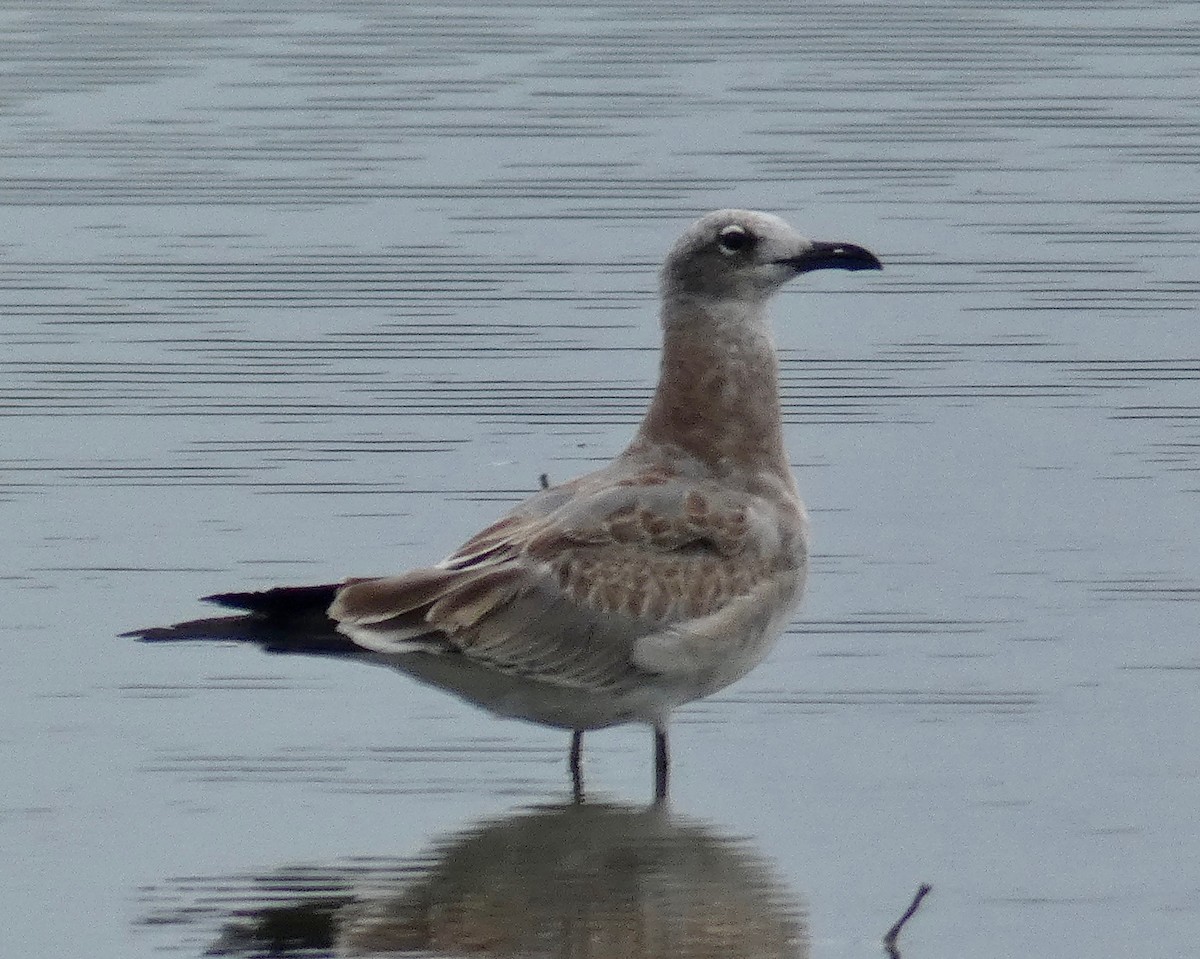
(585, 881)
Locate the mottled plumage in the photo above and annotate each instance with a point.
(662, 577)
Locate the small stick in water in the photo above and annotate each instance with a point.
(889, 940)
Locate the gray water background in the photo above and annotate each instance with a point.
(290, 292)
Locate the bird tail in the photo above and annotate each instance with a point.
(286, 619)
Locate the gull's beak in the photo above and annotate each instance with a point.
(833, 256)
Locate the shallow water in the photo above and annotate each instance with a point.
(305, 291)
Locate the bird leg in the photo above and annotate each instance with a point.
(662, 765)
(577, 764)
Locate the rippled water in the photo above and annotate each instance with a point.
(291, 292)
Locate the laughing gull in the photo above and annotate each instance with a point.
(618, 596)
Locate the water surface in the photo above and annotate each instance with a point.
(293, 292)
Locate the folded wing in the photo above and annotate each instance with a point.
(567, 596)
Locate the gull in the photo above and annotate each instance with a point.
(623, 594)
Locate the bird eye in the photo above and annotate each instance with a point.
(734, 239)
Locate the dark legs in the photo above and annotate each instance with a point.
(577, 764)
(662, 764)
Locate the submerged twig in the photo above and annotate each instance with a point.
(889, 940)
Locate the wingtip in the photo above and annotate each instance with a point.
(230, 600)
(135, 634)
(155, 634)
(279, 601)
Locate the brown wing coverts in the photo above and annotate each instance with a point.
(568, 603)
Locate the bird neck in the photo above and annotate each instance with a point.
(718, 389)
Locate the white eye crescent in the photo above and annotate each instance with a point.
(734, 239)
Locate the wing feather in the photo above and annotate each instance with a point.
(566, 598)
